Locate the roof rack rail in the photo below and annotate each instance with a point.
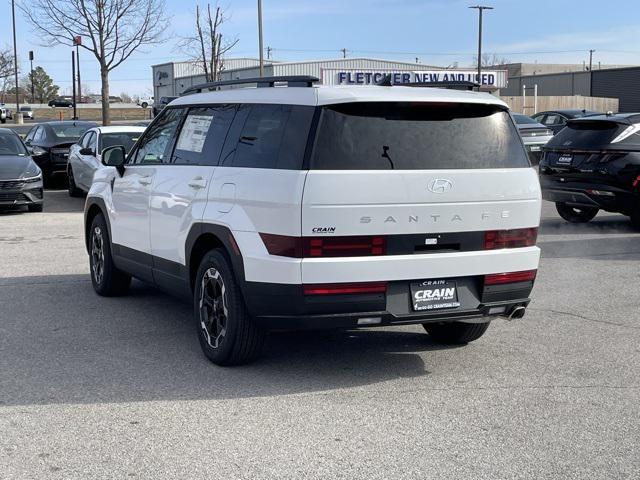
(290, 80)
(449, 85)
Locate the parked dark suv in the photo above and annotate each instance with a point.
(593, 164)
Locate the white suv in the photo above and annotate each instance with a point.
(322, 207)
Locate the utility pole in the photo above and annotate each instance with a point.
(33, 95)
(269, 49)
(591, 59)
(15, 58)
(77, 41)
(73, 82)
(344, 52)
(260, 38)
(480, 9)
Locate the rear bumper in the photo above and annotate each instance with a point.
(277, 306)
(609, 198)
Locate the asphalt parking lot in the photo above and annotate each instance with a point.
(118, 388)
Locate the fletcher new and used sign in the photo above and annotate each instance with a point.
(493, 78)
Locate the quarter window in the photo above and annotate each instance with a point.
(155, 147)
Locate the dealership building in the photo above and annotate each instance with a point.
(171, 79)
(555, 82)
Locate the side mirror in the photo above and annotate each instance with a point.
(86, 151)
(114, 157)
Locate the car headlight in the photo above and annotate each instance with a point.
(32, 177)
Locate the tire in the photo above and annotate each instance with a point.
(36, 207)
(73, 190)
(144, 105)
(576, 214)
(227, 333)
(455, 332)
(107, 280)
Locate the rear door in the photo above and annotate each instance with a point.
(398, 169)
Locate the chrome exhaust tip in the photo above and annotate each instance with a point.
(517, 312)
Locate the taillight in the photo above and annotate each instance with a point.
(344, 288)
(319, 247)
(510, 277)
(521, 237)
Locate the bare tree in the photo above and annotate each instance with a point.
(6, 73)
(114, 29)
(491, 60)
(207, 46)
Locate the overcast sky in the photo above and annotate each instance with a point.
(438, 32)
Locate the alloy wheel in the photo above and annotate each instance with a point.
(213, 308)
(97, 255)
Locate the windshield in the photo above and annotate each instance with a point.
(70, 131)
(523, 119)
(414, 136)
(126, 139)
(10, 144)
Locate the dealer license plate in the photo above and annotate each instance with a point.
(564, 160)
(434, 295)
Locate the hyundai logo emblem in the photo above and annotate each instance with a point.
(440, 185)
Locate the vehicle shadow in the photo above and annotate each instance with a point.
(625, 247)
(61, 343)
(59, 201)
(602, 224)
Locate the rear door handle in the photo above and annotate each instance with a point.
(145, 180)
(198, 183)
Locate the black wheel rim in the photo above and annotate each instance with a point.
(213, 308)
(97, 255)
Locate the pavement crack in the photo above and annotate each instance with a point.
(582, 317)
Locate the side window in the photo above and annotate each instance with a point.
(155, 146)
(30, 135)
(83, 140)
(273, 136)
(92, 141)
(38, 134)
(539, 118)
(554, 120)
(202, 135)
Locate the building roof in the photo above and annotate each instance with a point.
(330, 95)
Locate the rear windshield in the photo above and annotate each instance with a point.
(523, 119)
(126, 139)
(589, 135)
(416, 136)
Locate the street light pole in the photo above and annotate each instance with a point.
(480, 9)
(33, 95)
(260, 38)
(15, 56)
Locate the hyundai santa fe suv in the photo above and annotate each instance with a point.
(306, 206)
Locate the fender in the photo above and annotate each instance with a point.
(99, 202)
(225, 236)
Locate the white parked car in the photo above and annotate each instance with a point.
(322, 207)
(85, 155)
(145, 102)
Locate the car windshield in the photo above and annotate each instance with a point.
(523, 119)
(126, 139)
(10, 144)
(413, 136)
(72, 131)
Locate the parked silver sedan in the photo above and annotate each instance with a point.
(534, 136)
(85, 155)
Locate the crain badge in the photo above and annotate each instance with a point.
(440, 185)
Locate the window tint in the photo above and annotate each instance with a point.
(156, 145)
(39, 134)
(203, 134)
(271, 136)
(409, 136)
